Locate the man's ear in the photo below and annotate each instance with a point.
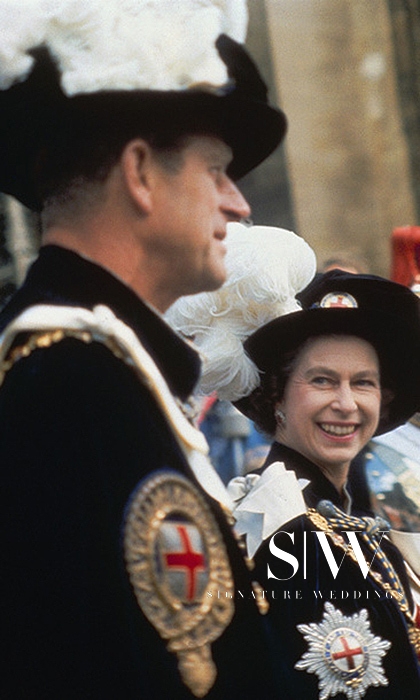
(136, 166)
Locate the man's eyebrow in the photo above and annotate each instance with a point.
(221, 151)
(367, 373)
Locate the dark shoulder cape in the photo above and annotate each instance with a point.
(79, 433)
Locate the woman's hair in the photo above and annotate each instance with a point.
(270, 391)
(261, 403)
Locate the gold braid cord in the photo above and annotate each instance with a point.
(45, 339)
(395, 589)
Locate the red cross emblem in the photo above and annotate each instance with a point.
(182, 553)
(347, 653)
(345, 647)
(339, 302)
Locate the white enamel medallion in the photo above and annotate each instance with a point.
(344, 654)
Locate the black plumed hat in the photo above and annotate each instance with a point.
(384, 313)
(36, 113)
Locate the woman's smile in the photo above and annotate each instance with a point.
(332, 402)
(339, 430)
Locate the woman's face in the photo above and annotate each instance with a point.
(332, 401)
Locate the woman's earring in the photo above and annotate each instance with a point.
(280, 417)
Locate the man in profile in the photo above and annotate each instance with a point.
(125, 125)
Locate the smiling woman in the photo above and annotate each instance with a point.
(337, 372)
(331, 375)
(332, 403)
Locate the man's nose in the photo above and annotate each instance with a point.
(234, 203)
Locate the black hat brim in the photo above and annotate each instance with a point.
(33, 111)
(396, 342)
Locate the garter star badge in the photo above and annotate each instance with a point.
(175, 554)
(344, 654)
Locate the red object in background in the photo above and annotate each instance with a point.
(208, 402)
(405, 255)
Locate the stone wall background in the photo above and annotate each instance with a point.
(347, 152)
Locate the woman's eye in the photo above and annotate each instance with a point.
(321, 381)
(367, 383)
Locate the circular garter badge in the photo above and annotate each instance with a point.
(179, 569)
(344, 654)
(338, 300)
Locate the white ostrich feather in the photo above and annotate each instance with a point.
(266, 268)
(121, 44)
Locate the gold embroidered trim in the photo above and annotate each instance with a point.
(40, 340)
(163, 503)
(259, 594)
(45, 339)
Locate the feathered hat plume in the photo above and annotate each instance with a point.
(266, 268)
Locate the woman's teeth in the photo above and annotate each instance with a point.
(338, 429)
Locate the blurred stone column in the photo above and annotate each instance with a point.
(346, 151)
(405, 19)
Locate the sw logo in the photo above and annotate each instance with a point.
(322, 538)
